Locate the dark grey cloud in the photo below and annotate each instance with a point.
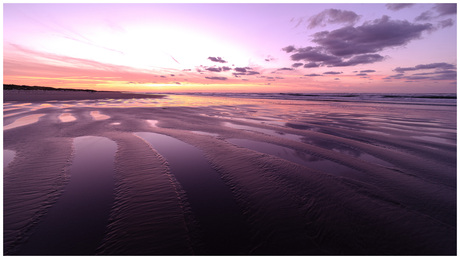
(397, 76)
(332, 73)
(442, 65)
(313, 75)
(289, 49)
(216, 77)
(437, 11)
(445, 23)
(226, 69)
(416, 77)
(187, 70)
(371, 37)
(297, 64)
(361, 74)
(438, 75)
(311, 64)
(397, 7)
(367, 71)
(214, 69)
(285, 68)
(442, 71)
(217, 59)
(244, 71)
(360, 59)
(349, 46)
(446, 9)
(425, 16)
(314, 55)
(269, 58)
(329, 16)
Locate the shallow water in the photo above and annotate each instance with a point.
(75, 225)
(211, 200)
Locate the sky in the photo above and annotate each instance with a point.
(232, 47)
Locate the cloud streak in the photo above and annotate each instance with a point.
(397, 7)
(217, 59)
(442, 65)
(216, 78)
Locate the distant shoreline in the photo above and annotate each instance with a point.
(57, 95)
(23, 93)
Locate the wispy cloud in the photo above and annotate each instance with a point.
(216, 77)
(331, 16)
(441, 65)
(397, 7)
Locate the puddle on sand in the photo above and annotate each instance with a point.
(98, 116)
(210, 199)
(76, 223)
(292, 155)
(152, 123)
(66, 117)
(8, 157)
(26, 120)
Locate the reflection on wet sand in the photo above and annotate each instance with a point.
(26, 120)
(207, 175)
(66, 117)
(76, 223)
(98, 116)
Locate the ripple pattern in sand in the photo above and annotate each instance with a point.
(76, 223)
(211, 201)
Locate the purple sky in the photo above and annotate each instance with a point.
(233, 47)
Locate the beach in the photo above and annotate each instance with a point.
(137, 174)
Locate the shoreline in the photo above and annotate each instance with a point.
(56, 95)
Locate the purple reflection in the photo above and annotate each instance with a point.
(76, 223)
(211, 201)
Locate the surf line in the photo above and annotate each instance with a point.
(76, 223)
(224, 231)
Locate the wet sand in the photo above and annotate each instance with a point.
(225, 176)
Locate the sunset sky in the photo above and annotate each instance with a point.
(296, 47)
